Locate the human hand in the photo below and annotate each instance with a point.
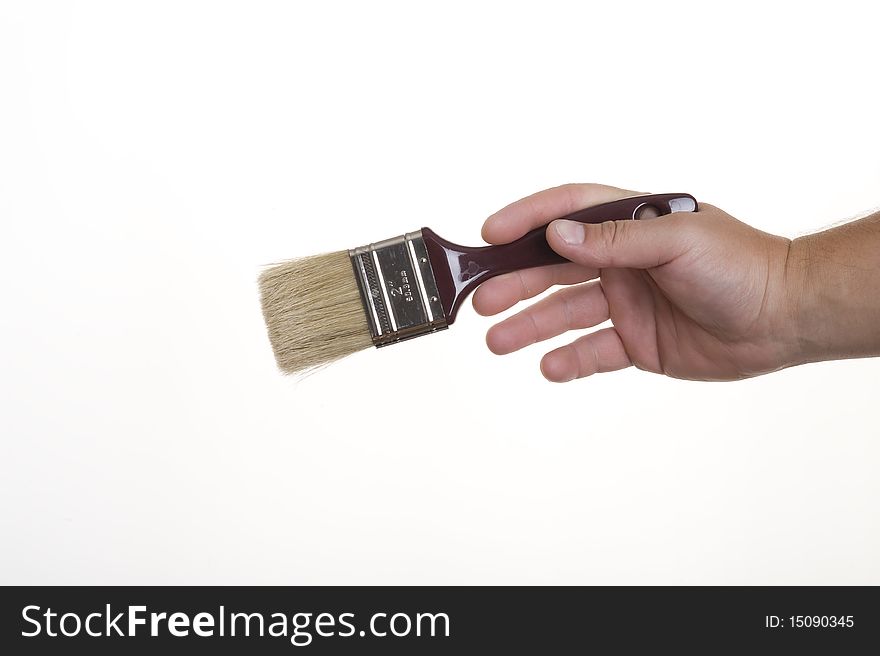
(695, 295)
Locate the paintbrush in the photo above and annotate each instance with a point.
(324, 307)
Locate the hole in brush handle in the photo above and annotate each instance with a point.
(458, 269)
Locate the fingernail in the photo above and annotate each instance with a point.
(571, 232)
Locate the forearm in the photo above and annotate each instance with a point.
(833, 285)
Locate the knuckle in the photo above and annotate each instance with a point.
(611, 236)
(573, 195)
(524, 289)
(576, 194)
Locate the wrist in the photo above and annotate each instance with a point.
(832, 292)
(802, 304)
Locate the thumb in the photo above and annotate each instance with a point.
(637, 244)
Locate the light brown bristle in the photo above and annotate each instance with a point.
(313, 311)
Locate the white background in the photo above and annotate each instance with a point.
(153, 156)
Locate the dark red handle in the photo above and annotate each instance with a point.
(459, 269)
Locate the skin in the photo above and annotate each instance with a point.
(699, 296)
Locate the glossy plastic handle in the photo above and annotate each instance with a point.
(460, 269)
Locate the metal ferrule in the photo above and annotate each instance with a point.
(398, 289)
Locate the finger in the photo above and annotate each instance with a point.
(597, 352)
(636, 244)
(583, 306)
(539, 209)
(505, 291)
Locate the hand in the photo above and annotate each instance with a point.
(691, 295)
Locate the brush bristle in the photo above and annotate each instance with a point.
(313, 311)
